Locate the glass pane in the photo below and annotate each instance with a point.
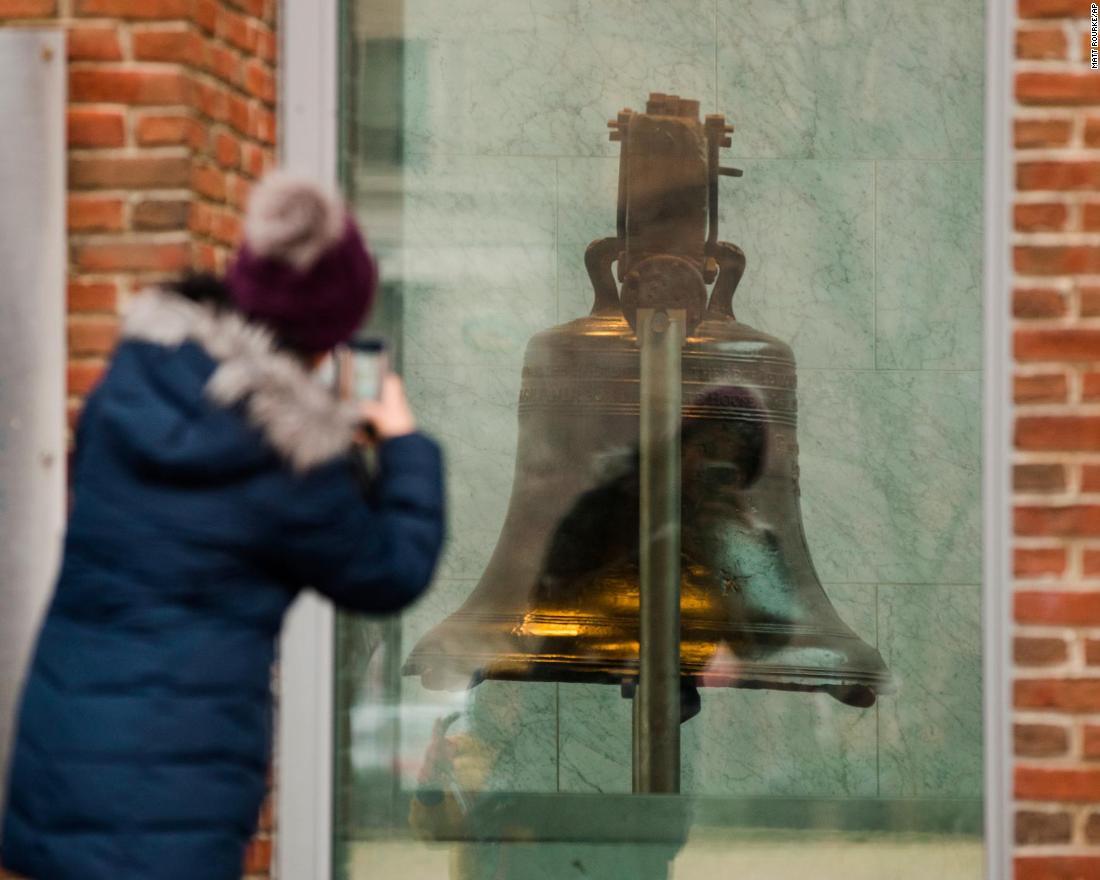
(811, 482)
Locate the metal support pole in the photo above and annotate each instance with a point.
(661, 335)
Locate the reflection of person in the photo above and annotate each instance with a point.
(459, 771)
(465, 796)
(456, 767)
(720, 461)
(599, 533)
(213, 479)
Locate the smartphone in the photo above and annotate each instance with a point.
(361, 365)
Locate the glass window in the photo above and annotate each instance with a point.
(668, 361)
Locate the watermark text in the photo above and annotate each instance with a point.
(1094, 41)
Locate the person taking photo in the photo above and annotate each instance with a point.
(215, 477)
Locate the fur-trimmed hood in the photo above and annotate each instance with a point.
(292, 409)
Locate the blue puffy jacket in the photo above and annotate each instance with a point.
(213, 480)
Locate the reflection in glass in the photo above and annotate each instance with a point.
(476, 154)
(560, 598)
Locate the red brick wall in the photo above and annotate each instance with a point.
(1057, 443)
(171, 117)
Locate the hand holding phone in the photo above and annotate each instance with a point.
(390, 416)
(361, 365)
(363, 376)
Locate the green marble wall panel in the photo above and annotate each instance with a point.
(807, 229)
(594, 738)
(501, 77)
(471, 410)
(859, 126)
(928, 233)
(565, 861)
(587, 195)
(773, 743)
(742, 742)
(478, 258)
(930, 731)
(514, 725)
(891, 475)
(505, 734)
(853, 79)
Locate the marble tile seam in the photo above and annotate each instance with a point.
(489, 362)
(874, 265)
(885, 583)
(913, 370)
(557, 239)
(726, 156)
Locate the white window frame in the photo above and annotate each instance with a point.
(997, 441)
(309, 101)
(309, 125)
(32, 348)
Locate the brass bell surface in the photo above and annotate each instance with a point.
(559, 598)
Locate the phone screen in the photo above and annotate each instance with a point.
(361, 367)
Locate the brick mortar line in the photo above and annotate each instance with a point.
(1061, 322)
(1031, 370)
(1071, 201)
(1054, 588)
(1058, 283)
(1043, 457)
(1051, 630)
(1057, 584)
(1068, 671)
(1054, 66)
(1085, 409)
(125, 65)
(1067, 408)
(1021, 279)
(132, 196)
(1057, 851)
(1056, 152)
(142, 195)
(153, 151)
(1054, 25)
(1057, 66)
(1088, 238)
(1069, 761)
(1037, 113)
(1045, 717)
(1058, 197)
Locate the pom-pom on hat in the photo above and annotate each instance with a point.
(303, 269)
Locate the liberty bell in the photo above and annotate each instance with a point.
(559, 600)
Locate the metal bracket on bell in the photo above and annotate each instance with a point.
(665, 281)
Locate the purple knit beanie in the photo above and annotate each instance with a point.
(303, 269)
